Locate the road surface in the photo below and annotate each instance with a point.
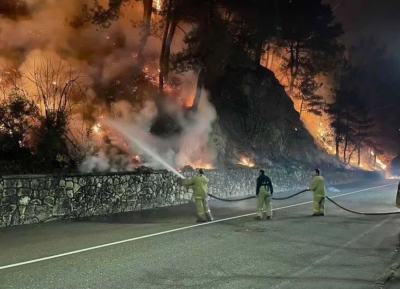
(164, 248)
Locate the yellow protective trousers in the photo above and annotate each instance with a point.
(318, 205)
(203, 209)
(264, 203)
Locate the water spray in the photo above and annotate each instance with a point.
(157, 157)
(146, 149)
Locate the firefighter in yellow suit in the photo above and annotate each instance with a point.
(200, 189)
(319, 192)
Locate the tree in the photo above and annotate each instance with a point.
(17, 117)
(12, 9)
(309, 38)
(171, 13)
(307, 93)
(340, 109)
(363, 123)
(58, 89)
(253, 23)
(102, 16)
(378, 82)
(351, 118)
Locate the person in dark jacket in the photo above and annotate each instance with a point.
(264, 192)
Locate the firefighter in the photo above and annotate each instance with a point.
(264, 192)
(398, 197)
(318, 188)
(199, 184)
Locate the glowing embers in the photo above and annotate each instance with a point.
(201, 165)
(97, 128)
(157, 4)
(245, 161)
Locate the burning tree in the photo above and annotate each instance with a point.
(57, 89)
(169, 13)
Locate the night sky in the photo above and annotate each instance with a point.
(378, 18)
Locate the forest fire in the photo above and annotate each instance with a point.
(245, 161)
(319, 124)
(85, 72)
(200, 165)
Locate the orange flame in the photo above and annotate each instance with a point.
(201, 165)
(244, 161)
(157, 4)
(97, 128)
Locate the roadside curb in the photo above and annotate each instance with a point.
(390, 274)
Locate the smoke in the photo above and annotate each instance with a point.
(101, 57)
(190, 147)
(100, 54)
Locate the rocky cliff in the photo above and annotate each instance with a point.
(258, 119)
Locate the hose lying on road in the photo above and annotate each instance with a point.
(253, 197)
(303, 191)
(361, 213)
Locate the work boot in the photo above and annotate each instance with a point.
(269, 218)
(201, 221)
(258, 218)
(318, 214)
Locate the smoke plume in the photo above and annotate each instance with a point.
(101, 56)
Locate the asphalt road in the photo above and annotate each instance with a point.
(165, 249)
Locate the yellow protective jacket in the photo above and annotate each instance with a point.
(318, 186)
(199, 183)
(398, 196)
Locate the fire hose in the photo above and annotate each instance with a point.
(303, 191)
(253, 197)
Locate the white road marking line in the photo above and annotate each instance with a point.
(170, 231)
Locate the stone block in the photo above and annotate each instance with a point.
(82, 182)
(24, 192)
(69, 185)
(76, 188)
(24, 201)
(41, 213)
(49, 184)
(36, 202)
(61, 207)
(10, 191)
(34, 184)
(49, 201)
(70, 193)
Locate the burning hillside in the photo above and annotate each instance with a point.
(315, 118)
(69, 68)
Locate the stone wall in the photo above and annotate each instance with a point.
(43, 198)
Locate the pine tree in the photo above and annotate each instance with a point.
(310, 39)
